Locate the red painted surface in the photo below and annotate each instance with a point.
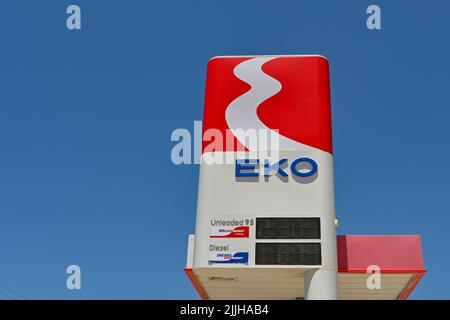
(300, 111)
(198, 287)
(391, 253)
(411, 285)
(222, 87)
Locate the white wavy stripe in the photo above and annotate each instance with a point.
(241, 112)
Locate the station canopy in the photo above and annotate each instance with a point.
(399, 259)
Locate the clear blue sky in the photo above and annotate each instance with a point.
(86, 118)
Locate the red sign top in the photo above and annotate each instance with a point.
(290, 94)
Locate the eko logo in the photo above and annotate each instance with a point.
(257, 107)
(301, 168)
